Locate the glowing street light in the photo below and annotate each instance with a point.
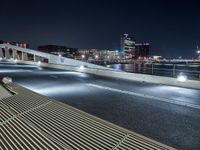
(82, 67)
(181, 77)
(96, 56)
(39, 62)
(82, 56)
(15, 60)
(60, 55)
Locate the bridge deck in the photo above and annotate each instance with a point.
(32, 121)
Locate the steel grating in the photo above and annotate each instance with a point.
(4, 93)
(32, 121)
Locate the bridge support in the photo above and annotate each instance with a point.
(1, 53)
(34, 58)
(7, 53)
(24, 56)
(14, 53)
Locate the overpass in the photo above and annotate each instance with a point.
(8, 51)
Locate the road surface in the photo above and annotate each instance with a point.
(155, 111)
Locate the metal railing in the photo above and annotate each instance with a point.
(168, 70)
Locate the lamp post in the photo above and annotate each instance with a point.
(198, 52)
(96, 56)
(82, 56)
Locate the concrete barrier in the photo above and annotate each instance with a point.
(124, 75)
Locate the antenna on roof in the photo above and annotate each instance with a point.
(125, 34)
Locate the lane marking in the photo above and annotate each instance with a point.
(172, 101)
(55, 77)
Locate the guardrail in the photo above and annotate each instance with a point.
(168, 70)
(123, 75)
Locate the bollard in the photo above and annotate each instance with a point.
(152, 69)
(134, 67)
(174, 70)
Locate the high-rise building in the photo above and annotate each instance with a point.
(142, 50)
(128, 46)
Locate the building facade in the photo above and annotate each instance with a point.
(97, 54)
(59, 50)
(19, 44)
(142, 50)
(128, 46)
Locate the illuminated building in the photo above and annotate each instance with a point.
(19, 44)
(128, 46)
(142, 50)
(59, 50)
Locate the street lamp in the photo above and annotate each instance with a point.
(198, 51)
(39, 62)
(82, 56)
(96, 56)
(15, 60)
(82, 67)
(181, 77)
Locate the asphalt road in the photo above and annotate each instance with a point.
(155, 111)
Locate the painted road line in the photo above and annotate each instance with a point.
(52, 76)
(173, 101)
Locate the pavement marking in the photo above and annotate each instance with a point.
(55, 77)
(172, 101)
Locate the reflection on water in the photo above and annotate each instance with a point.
(170, 70)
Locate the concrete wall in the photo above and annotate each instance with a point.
(124, 75)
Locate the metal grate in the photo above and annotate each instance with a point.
(32, 121)
(4, 93)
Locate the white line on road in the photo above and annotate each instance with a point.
(173, 101)
(54, 76)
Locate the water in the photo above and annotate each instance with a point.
(168, 70)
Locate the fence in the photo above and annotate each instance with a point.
(169, 70)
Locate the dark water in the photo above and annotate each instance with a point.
(170, 70)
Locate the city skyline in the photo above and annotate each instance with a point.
(171, 27)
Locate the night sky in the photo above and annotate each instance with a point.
(171, 26)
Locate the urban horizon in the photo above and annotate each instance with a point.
(151, 53)
(172, 27)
